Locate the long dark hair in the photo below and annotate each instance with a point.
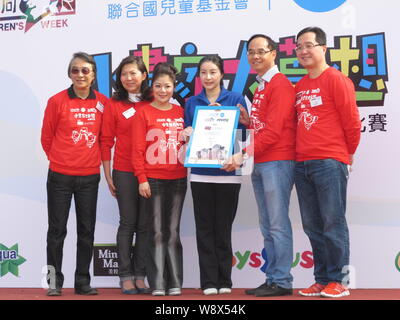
(121, 93)
(215, 59)
(161, 69)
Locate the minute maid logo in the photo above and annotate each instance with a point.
(10, 260)
(24, 14)
(320, 5)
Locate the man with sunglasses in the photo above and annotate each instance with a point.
(328, 133)
(273, 120)
(70, 135)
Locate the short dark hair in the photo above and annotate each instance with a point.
(120, 92)
(85, 57)
(320, 35)
(271, 43)
(215, 59)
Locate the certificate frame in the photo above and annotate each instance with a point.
(213, 136)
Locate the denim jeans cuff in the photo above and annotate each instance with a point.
(125, 278)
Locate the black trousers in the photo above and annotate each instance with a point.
(60, 189)
(215, 206)
(165, 267)
(133, 221)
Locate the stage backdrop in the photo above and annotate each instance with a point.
(38, 38)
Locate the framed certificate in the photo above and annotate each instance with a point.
(213, 136)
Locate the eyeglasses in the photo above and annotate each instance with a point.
(84, 70)
(260, 52)
(308, 46)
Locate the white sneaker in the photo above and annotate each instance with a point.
(210, 291)
(158, 292)
(174, 292)
(225, 291)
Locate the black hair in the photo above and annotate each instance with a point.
(120, 92)
(161, 69)
(271, 43)
(320, 35)
(215, 59)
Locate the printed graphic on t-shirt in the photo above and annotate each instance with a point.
(171, 128)
(84, 133)
(305, 102)
(256, 124)
(307, 118)
(83, 118)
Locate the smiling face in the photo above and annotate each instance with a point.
(210, 75)
(310, 53)
(81, 73)
(132, 78)
(260, 56)
(163, 89)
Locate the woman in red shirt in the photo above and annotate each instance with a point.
(131, 86)
(157, 157)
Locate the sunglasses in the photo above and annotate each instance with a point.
(84, 70)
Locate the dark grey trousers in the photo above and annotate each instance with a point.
(133, 222)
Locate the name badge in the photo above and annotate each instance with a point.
(317, 101)
(129, 113)
(100, 107)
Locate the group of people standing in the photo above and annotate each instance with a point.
(305, 136)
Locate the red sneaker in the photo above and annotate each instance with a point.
(335, 290)
(313, 291)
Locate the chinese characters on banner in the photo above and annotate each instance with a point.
(137, 9)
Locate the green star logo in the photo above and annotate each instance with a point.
(10, 260)
(397, 261)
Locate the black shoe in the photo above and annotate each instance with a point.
(252, 292)
(273, 290)
(142, 290)
(86, 291)
(54, 292)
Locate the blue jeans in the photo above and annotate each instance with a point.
(321, 189)
(273, 182)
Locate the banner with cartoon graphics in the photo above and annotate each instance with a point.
(38, 38)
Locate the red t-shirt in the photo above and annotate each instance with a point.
(116, 129)
(157, 150)
(328, 124)
(70, 132)
(273, 118)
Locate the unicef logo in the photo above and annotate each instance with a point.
(318, 5)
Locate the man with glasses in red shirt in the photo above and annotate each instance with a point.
(328, 133)
(273, 119)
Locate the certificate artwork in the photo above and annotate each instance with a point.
(211, 142)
